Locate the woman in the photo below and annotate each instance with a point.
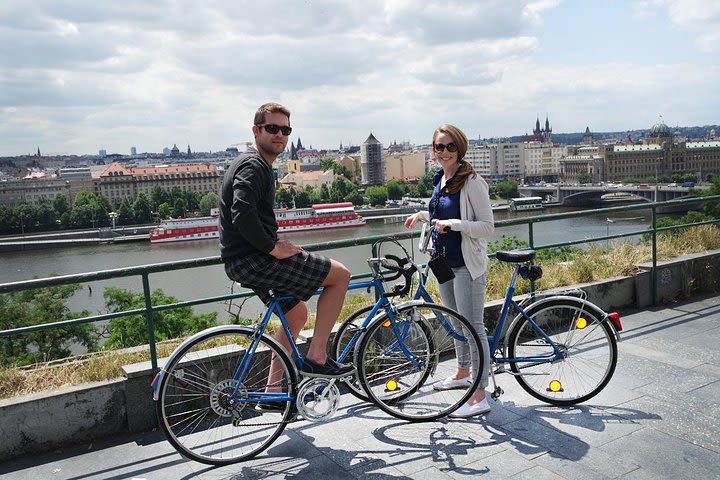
(460, 204)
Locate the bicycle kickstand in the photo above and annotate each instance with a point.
(497, 391)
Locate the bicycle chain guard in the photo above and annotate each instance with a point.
(318, 399)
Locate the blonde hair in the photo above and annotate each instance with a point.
(465, 169)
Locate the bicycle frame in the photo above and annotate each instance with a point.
(494, 339)
(274, 307)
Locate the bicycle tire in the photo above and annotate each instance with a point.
(400, 387)
(582, 333)
(342, 337)
(192, 406)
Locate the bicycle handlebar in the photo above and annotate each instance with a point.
(400, 267)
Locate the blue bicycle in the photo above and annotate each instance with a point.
(226, 393)
(560, 347)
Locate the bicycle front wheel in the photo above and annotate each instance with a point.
(348, 332)
(194, 405)
(587, 345)
(401, 362)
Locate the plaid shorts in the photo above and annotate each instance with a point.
(300, 275)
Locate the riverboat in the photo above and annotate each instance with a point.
(525, 203)
(320, 216)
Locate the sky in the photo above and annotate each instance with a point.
(77, 76)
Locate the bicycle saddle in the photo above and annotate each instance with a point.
(516, 257)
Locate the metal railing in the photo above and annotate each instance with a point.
(144, 271)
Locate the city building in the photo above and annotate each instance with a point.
(33, 191)
(117, 181)
(583, 164)
(542, 135)
(409, 166)
(371, 166)
(661, 155)
(315, 179)
(541, 161)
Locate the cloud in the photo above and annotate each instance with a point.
(79, 75)
(699, 17)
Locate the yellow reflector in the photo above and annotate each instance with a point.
(386, 323)
(391, 386)
(581, 323)
(555, 386)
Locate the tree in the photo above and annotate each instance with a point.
(377, 195)
(395, 189)
(209, 201)
(339, 189)
(584, 177)
(26, 217)
(60, 204)
(425, 184)
(302, 199)
(158, 197)
(35, 307)
(46, 216)
(283, 197)
(355, 197)
(164, 210)
(180, 207)
(324, 193)
(507, 189)
(141, 209)
(131, 330)
(327, 163)
(6, 219)
(125, 213)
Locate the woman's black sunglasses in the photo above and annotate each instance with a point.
(440, 147)
(273, 129)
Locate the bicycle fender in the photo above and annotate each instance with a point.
(584, 304)
(157, 380)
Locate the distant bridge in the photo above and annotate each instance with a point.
(580, 195)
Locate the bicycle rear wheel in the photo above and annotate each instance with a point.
(193, 405)
(586, 340)
(402, 385)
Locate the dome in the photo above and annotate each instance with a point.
(660, 130)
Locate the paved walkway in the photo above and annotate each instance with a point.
(658, 418)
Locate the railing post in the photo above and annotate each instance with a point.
(149, 322)
(653, 278)
(374, 253)
(531, 241)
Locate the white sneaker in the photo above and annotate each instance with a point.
(450, 383)
(467, 410)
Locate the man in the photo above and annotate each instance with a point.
(257, 259)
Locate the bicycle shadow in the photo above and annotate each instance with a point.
(540, 428)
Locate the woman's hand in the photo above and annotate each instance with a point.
(442, 226)
(412, 220)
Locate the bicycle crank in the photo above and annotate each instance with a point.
(317, 399)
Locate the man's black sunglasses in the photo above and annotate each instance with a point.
(273, 129)
(440, 147)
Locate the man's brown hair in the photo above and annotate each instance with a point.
(270, 107)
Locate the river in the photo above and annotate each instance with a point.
(209, 281)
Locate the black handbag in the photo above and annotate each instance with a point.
(441, 268)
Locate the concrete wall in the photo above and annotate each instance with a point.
(49, 420)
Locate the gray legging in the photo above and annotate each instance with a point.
(467, 297)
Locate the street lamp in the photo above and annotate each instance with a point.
(113, 216)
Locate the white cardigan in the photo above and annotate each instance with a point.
(476, 224)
